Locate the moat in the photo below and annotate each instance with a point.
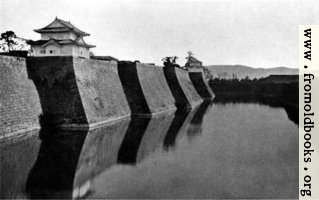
(225, 148)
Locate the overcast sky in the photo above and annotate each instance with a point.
(261, 33)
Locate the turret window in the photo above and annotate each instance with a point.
(42, 51)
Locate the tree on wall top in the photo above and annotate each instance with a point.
(170, 61)
(10, 42)
(189, 54)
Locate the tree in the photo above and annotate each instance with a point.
(189, 54)
(170, 61)
(167, 61)
(10, 42)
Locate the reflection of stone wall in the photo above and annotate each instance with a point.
(19, 102)
(146, 88)
(52, 175)
(17, 159)
(201, 85)
(182, 88)
(154, 135)
(99, 152)
(76, 91)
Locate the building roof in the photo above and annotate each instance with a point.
(59, 42)
(192, 59)
(58, 26)
(192, 62)
(104, 58)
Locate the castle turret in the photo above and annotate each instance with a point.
(193, 64)
(61, 38)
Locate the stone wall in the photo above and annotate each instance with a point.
(145, 88)
(101, 91)
(19, 102)
(201, 86)
(182, 88)
(54, 78)
(78, 92)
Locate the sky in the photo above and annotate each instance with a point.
(257, 33)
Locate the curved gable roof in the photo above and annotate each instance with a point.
(59, 42)
(59, 25)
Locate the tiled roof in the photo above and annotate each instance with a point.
(104, 58)
(192, 59)
(66, 26)
(59, 42)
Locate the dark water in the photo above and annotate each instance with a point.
(223, 149)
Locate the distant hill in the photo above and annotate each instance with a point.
(241, 71)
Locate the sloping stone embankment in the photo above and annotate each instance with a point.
(145, 88)
(19, 101)
(182, 88)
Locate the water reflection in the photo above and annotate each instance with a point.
(181, 118)
(68, 159)
(53, 172)
(196, 122)
(63, 163)
(99, 152)
(133, 137)
(17, 159)
(292, 110)
(154, 135)
(242, 150)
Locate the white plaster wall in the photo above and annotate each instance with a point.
(72, 36)
(52, 47)
(57, 36)
(65, 50)
(76, 51)
(84, 52)
(36, 51)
